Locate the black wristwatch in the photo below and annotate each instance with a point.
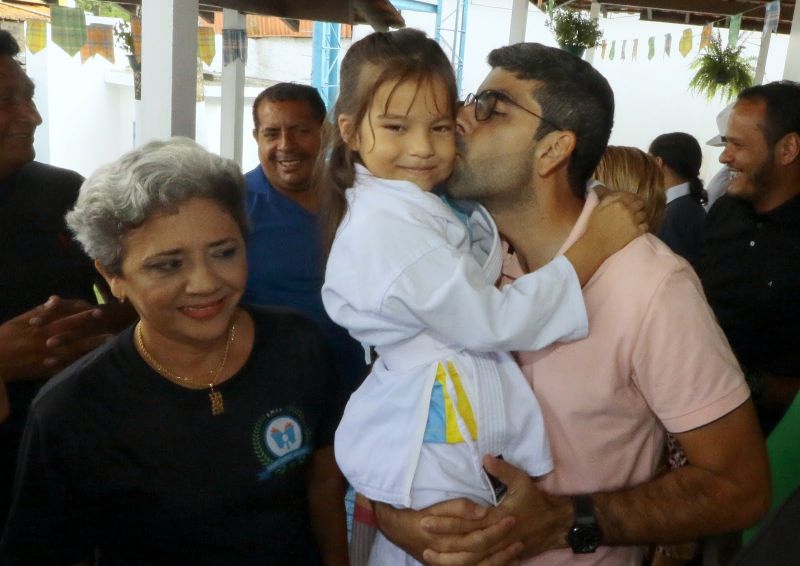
(584, 536)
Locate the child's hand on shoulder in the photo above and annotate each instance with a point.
(619, 218)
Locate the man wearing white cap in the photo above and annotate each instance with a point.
(718, 184)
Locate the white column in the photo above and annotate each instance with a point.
(792, 69)
(519, 21)
(594, 12)
(762, 57)
(231, 131)
(169, 68)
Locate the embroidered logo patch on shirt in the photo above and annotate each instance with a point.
(280, 440)
(443, 414)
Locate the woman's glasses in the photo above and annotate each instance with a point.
(486, 101)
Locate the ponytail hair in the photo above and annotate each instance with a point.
(377, 59)
(681, 152)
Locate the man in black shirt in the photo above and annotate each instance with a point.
(750, 258)
(40, 332)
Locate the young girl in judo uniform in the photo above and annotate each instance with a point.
(415, 278)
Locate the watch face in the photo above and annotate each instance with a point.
(584, 538)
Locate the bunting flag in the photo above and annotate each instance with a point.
(206, 50)
(733, 32)
(651, 47)
(68, 28)
(136, 32)
(17, 31)
(772, 15)
(603, 49)
(613, 49)
(624, 44)
(667, 43)
(705, 36)
(635, 51)
(36, 35)
(685, 43)
(234, 46)
(100, 42)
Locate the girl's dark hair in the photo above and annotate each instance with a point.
(377, 59)
(681, 152)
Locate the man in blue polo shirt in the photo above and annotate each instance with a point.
(283, 251)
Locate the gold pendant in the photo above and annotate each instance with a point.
(217, 404)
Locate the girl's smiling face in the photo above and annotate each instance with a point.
(408, 133)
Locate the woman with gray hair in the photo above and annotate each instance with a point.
(203, 433)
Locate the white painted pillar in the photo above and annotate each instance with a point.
(231, 131)
(792, 69)
(169, 68)
(37, 68)
(594, 12)
(762, 58)
(519, 21)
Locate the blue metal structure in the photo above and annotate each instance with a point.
(326, 44)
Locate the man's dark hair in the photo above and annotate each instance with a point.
(8, 45)
(572, 95)
(782, 116)
(283, 92)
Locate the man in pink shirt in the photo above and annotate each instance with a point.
(655, 359)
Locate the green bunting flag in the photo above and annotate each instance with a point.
(733, 32)
(68, 28)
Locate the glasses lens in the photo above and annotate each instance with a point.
(484, 104)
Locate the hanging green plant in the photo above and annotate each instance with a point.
(575, 30)
(722, 71)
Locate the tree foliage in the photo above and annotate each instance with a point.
(102, 8)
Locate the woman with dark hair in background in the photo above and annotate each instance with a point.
(679, 156)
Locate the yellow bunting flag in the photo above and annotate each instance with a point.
(36, 35)
(651, 47)
(685, 43)
(603, 49)
(705, 37)
(100, 42)
(205, 44)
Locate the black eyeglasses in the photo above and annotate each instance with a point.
(486, 101)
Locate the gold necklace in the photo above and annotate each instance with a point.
(217, 403)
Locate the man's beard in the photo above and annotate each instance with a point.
(491, 180)
(758, 183)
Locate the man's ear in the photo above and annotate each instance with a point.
(255, 134)
(787, 150)
(348, 131)
(115, 282)
(554, 151)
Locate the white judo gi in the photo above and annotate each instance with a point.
(415, 279)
